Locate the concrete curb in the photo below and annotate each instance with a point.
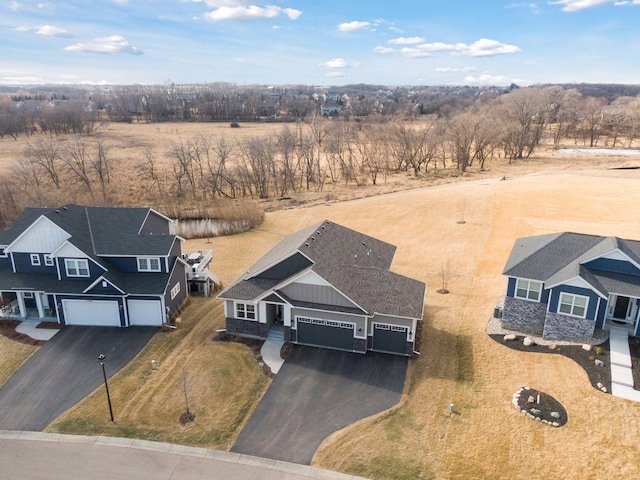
(229, 457)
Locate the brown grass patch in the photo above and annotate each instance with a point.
(15, 349)
(223, 385)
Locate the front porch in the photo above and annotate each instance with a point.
(27, 305)
(623, 312)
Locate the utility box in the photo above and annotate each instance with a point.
(497, 311)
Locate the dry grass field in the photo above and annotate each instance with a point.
(419, 439)
(12, 355)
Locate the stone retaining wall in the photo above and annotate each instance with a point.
(563, 327)
(523, 316)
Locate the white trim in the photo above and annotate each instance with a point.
(573, 303)
(579, 282)
(49, 261)
(606, 256)
(529, 290)
(77, 267)
(149, 210)
(175, 290)
(3, 251)
(35, 259)
(245, 304)
(148, 260)
(37, 220)
(102, 279)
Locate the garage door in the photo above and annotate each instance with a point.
(91, 312)
(390, 338)
(325, 333)
(145, 312)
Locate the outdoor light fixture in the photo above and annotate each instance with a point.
(102, 359)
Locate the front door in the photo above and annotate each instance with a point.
(621, 308)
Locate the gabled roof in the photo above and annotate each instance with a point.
(355, 264)
(561, 257)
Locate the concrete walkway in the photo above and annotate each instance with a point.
(621, 376)
(29, 328)
(35, 455)
(270, 350)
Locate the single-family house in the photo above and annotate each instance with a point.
(330, 108)
(565, 286)
(81, 265)
(328, 286)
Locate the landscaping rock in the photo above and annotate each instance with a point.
(586, 347)
(555, 414)
(599, 385)
(528, 342)
(535, 411)
(599, 363)
(510, 337)
(604, 389)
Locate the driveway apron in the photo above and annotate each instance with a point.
(316, 393)
(65, 370)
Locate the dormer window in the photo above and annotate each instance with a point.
(35, 259)
(148, 264)
(76, 267)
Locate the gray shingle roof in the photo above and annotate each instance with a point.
(354, 263)
(557, 258)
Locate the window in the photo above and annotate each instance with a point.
(35, 259)
(528, 290)
(28, 295)
(76, 267)
(148, 264)
(245, 310)
(3, 254)
(48, 261)
(175, 290)
(573, 305)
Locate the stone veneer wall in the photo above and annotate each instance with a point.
(249, 328)
(563, 327)
(523, 316)
(287, 334)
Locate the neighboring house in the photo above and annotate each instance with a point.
(328, 286)
(92, 266)
(565, 286)
(330, 108)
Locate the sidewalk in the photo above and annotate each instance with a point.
(29, 328)
(621, 376)
(270, 350)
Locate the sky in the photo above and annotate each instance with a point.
(319, 42)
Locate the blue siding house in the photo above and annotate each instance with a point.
(565, 286)
(81, 265)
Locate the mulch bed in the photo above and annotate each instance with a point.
(50, 325)
(634, 349)
(540, 406)
(586, 359)
(254, 344)
(8, 329)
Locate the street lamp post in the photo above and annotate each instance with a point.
(103, 359)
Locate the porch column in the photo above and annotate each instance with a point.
(262, 312)
(38, 297)
(21, 306)
(286, 315)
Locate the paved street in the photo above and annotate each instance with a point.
(35, 455)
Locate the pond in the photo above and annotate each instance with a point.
(208, 227)
(600, 151)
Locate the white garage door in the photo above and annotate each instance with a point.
(91, 312)
(145, 312)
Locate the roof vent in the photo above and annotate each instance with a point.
(364, 244)
(57, 211)
(306, 244)
(64, 208)
(313, 238)
(318, 232)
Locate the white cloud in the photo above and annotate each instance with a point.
(485, 48)
(384, 50)
(481, 48)
(15, 6)
(406, 41)
(455, 69)
(335, 75)
(577, 5)
(250, 12)
(353, 26)
(120, 2)
(105, 46)
(46, 30)
(335, 63)
(488, 79)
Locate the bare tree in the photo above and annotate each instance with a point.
(45, 153)
(77, 158)
(101, 164)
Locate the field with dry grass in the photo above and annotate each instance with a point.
(12, 355)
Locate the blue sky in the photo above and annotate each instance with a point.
(318, 42)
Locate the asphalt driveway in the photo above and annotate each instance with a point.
(316, 393)
(65, 370)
